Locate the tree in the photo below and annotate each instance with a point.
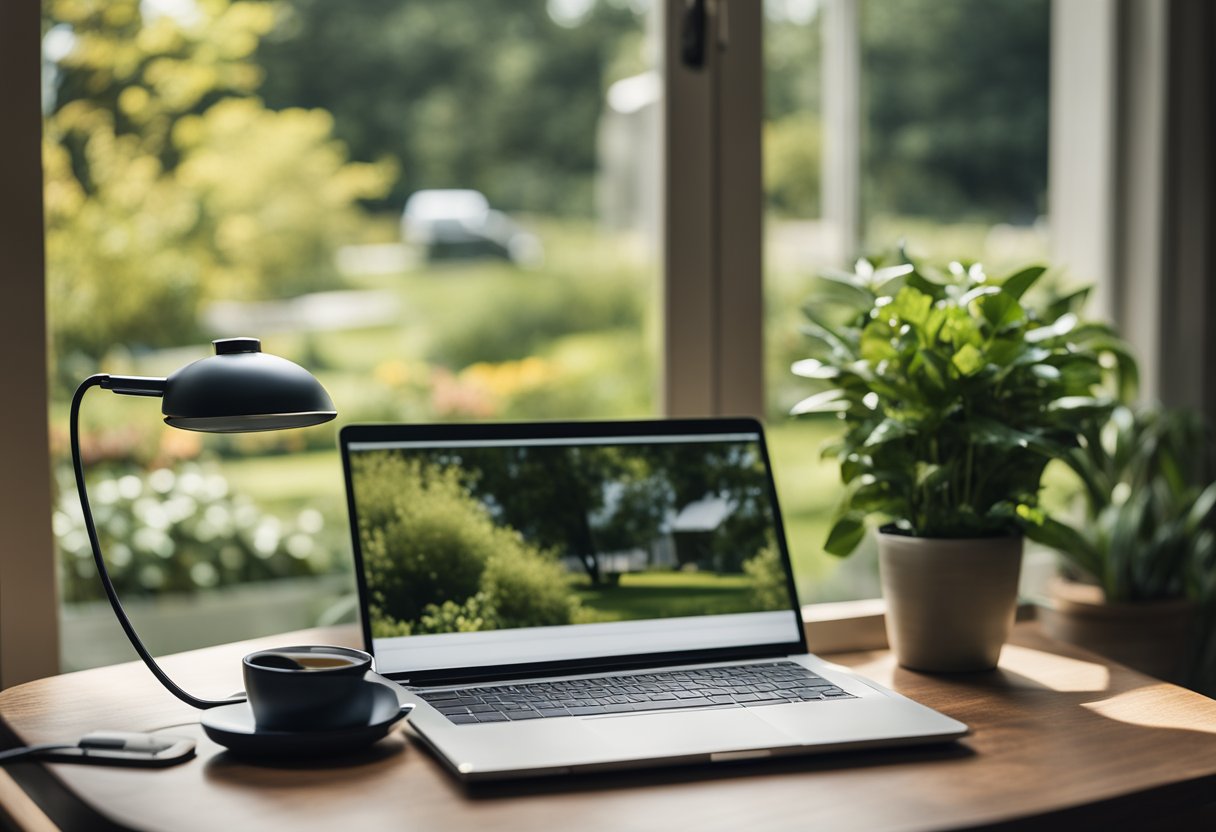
(581, 502)
(727, 470)
(591, 500)
(489, 94)
(956, 107)
(168, 182)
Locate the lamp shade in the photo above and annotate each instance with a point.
(242, 389)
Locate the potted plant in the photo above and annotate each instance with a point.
(1140, 550)
(954, 391)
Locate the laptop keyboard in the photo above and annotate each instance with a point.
(748, 686)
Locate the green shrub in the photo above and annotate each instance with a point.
(521, 313)
(477, 613)
(793, 147)
(436, 561)
(178, 531)
(769, 589)
(423, 540)
(605, 374)
(527, 588)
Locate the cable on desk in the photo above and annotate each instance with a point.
(31, 750)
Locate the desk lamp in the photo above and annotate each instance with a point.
(240, 389)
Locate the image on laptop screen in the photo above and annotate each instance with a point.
(486, 551)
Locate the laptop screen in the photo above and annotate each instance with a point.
(484, 548)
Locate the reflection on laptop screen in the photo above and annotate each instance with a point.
(488, 551)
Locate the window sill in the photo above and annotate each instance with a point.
(842, 626)
(845, 626)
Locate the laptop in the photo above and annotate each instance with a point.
(580, 596)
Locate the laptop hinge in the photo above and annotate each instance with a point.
(441, 678)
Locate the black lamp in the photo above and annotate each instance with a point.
(240, 389)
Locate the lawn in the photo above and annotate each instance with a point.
(666, 595)
(287, 479)
(808, 489)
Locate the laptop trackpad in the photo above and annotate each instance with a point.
(689, 732)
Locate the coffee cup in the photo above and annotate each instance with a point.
(308, 688)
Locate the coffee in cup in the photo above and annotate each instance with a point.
(308, 688)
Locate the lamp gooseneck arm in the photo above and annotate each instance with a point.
(138, 387)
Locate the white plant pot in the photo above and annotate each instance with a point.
(950, 603)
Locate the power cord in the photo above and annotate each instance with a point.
(32, 750)
(122, 748)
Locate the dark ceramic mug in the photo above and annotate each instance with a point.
(309, 688)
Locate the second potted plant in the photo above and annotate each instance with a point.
(1140, 550)
(955, 392)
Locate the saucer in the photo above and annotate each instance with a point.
(233, 727)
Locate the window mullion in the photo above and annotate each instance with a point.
(841, 91)
(712, 354)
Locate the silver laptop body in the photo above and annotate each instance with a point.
(570, 597)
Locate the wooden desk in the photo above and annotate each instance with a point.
(1060, 738)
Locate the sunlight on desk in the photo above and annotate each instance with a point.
(1055, 672)
(1147, 708)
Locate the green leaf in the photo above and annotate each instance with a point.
(888, 280)
(923, 283)
(1200, 509)
(887, 430)
(1070, 543)
(840, 276)
(1001, 310)
(1016, 284)
(929, 474)
(997, 434)
(814, 368)
(1072, 403)
(1030, 355)
(845, 534)
(1007, 351)
(847, 289)
(1072, 302)
(960, 328)
(977, 293)
(968, 360)
(875, 345)
(1124, 545)
(853, 467)
(910, 305)
(936, 368)
(1061, 326)
(836, 349)
(828, 401)
(871, 496)
(1098, 338)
